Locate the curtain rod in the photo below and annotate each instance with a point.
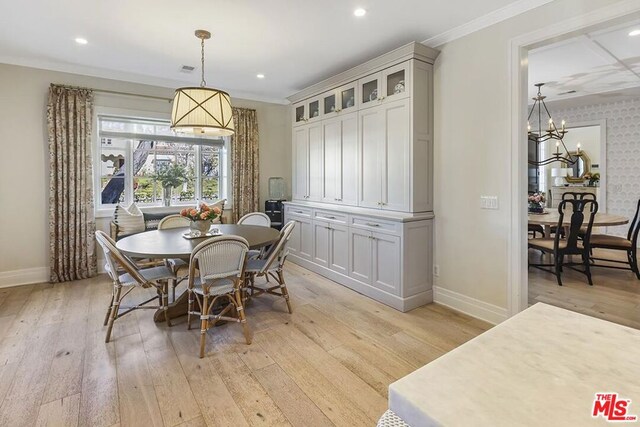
(115, 92)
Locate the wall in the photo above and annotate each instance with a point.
(623, 152)
(24, 161)
(472, 158)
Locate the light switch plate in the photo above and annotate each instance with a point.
(489, 202)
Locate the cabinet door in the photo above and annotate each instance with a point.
(332, 130)
(339, 249)
(369, 88)
(314, 109)
(329, 104)
(370, 136)
(301, 162)
(348, 166)
(306, 237)
(295, 241)
(386, 263)
(348, 97)
(315, 162)
(360, 255)
(321, 237)
(396, 170)
(395, 82)
(299, 114)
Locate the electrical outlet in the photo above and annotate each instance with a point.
(436, 270)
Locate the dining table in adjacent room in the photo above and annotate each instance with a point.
(550, 219)
(170, 243)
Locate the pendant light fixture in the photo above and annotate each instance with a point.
(202, 110)
(547, 130)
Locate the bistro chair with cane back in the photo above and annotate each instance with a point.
(220, 263)
(132, 276)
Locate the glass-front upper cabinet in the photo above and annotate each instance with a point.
(370, 89)
(313, 106)
(396, 80)
(347, 96)
(329, 104)
(299, 113)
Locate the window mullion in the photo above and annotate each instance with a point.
(198, 172)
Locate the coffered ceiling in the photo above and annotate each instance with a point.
(604, 63)
(292, 42)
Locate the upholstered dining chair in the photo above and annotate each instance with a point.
(175, 264)
(271, 265)
(628, 244)
(132, 277)
(582, 214)
(220, 263)
(255, 218)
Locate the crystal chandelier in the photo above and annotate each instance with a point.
(541, 135)
(202, 110)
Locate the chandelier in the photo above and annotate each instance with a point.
(202, 110)
(541, 135)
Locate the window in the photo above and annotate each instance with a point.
(131, 152)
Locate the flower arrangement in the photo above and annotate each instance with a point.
(594, 179)
(536, 201)
(201, 213)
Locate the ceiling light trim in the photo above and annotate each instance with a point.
(491, 18)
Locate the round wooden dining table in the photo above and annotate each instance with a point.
(165, 244)
(551, 218)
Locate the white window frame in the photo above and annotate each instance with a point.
(104, 211)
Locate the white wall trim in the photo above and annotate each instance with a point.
(485, 21)
(26, 276)
(471, 306)
(517, 283)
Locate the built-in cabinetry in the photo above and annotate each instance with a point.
(384, 256)
(364, 140)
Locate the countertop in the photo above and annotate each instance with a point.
(541, 367)
(374, 213)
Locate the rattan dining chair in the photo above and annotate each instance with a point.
(255, 218)
(175, 264)
(220, 263)
(628, 244)
(132, 277)
(582, 212)
(271, 265)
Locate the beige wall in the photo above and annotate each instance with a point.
(472, 138)
(24, 157)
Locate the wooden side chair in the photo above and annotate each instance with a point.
(220, 263)
(582, 212)
(175, 264)
(271, 265)
(156, 277)
(616, 243)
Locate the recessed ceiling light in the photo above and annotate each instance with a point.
(634, 33)
(359, 12)
(260, 76)
(80, 40)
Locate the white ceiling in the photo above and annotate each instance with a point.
(598, 64)
(293, 42)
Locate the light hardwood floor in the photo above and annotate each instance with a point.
(329, 363)
(614, 296)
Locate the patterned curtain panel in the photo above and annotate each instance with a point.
(244, 163)
(72, 252)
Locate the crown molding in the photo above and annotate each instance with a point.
(492, 18)
(125, 77)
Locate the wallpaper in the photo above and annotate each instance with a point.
(623, 152)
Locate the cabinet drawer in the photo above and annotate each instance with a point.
(297, 211)
(329, 216)
(374, 224)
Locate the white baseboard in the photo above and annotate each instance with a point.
(471, 306)
(26, 276)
